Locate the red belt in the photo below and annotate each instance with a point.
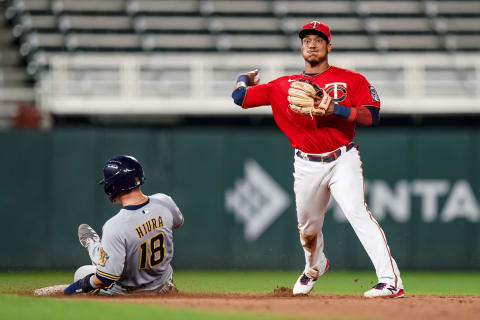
(332, 156)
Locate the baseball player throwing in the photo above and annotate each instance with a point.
(318, 110)
(136, 248)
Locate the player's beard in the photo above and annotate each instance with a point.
(315, 59)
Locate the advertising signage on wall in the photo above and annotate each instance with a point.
(440, 200)
(257, 200)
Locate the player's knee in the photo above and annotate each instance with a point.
(83, 271)
(310, 227)
(309, 241)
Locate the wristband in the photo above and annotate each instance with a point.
(243, 78)
(238, 95)
(86, 283)
(349, 114)
(341, 111)
(79, 286)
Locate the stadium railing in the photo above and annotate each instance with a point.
(202, 84)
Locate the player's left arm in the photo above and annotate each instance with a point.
(365, 108)
(363, 115)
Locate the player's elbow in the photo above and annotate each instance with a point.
(238, 95)
(375, 113)
(180, 224)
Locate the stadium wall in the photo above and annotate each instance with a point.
(235, 189)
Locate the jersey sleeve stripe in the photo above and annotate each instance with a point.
(107, 275)
(180, 224)
(107, 282)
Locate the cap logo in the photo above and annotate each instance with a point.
(315, 23)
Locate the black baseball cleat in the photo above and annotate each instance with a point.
(87, 236)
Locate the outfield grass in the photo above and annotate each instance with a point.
(334, 282)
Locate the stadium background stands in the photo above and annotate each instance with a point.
(169, 57)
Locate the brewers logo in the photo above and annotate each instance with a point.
(103, 258)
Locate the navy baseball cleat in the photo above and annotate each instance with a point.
(87, 236)
(383, 290)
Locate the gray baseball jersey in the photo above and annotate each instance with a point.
(137, 245)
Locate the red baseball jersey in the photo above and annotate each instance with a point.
(315, 134)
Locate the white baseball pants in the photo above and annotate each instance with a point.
(343, 179)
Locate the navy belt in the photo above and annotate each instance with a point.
(332, 156)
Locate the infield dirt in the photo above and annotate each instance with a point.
(318, 306)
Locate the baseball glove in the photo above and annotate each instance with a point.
(308, 98)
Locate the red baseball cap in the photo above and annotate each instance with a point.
(316, 27)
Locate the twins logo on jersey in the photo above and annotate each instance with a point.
(337, 90)
(103, 258)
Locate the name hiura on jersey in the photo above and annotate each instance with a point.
(148, 226)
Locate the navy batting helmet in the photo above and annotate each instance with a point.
(120, 174)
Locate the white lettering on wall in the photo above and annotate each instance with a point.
(429, 191)
(396, 201)
(461, 203)
(384, 199)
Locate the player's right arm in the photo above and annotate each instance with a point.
(247, 92)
